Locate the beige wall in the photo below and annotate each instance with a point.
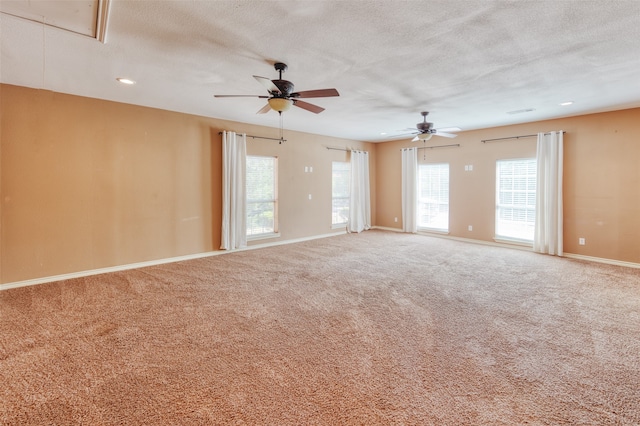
(601, 180)
(87, 184)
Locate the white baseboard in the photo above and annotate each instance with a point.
(515, 246)
(602, 260)
(99, 271)
(519, 246)
(384, 228)
(118, 268)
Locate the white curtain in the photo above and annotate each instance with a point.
(549, 212)
(359, 200)
(410, 190)
(234, 200)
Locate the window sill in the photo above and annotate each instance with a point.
(263, 236)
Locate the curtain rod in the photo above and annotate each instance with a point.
(344, 149)
(262, 137)
(431, 147)
(513, 137)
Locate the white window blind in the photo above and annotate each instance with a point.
(433, 196)
(262, 191)
(516, 199)
(340, 192)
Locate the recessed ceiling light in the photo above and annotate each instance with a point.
(566, 103)
(383, 133)
(125, 80)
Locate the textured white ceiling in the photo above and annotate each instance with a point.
(469, 63)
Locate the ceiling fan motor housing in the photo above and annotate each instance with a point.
(286, 87)
(425, 127)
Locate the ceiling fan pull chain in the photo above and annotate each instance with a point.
(281, 128)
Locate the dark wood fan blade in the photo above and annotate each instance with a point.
(309, 107)
(268, 84)
(241, 96)
(265, 109)
(321, 93)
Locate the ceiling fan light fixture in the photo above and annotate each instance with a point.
(425, 136)
(280, 104)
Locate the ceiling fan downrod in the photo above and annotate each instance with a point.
(280, 67)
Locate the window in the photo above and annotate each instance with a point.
(516, 199)
(262, 195)
(433, 197)
(341, 172)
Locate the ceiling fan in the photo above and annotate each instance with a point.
(282, 96)
(426, 130)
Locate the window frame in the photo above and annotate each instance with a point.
(421, 204)
(530, 210)
(334, 197)
(274, 201)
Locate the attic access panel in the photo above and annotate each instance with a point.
(85, 17)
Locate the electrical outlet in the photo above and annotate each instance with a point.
(395, 219)
(581, 241)
(309, 196)
(470, 228)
